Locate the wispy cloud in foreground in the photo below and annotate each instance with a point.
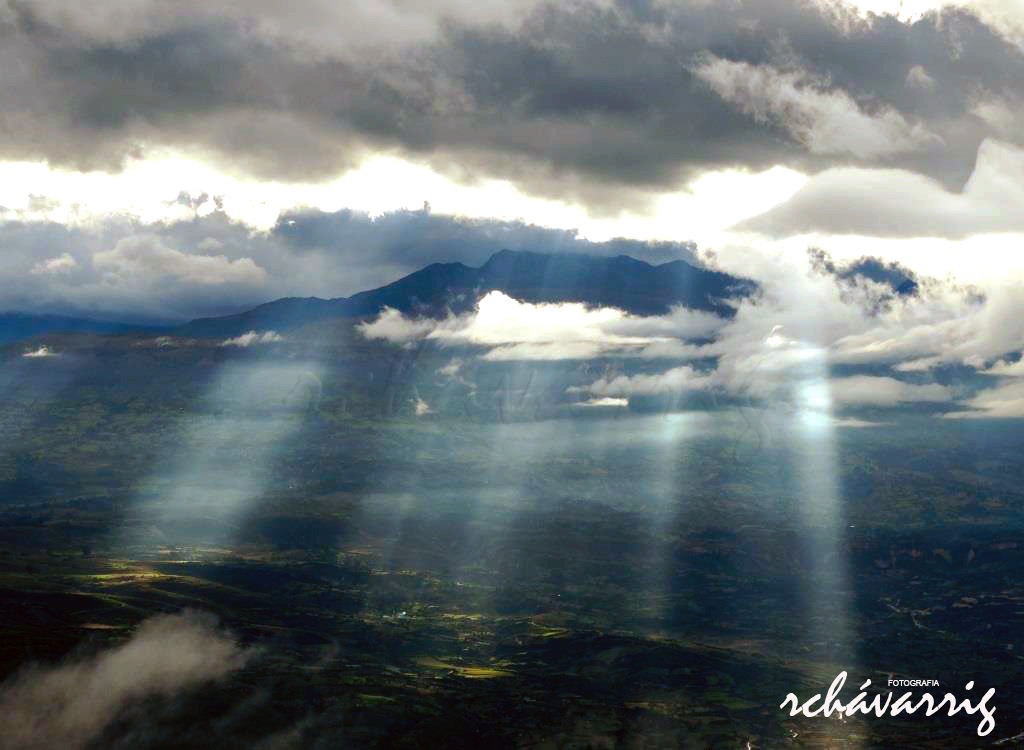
(69, 706)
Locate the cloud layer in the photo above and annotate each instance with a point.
(123, 268)
(821, 335)
(600, 102)
(904, 127)
(824, 121)
(899, 203)
(509, 329)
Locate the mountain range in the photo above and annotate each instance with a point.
(622, 282)
(17, 326)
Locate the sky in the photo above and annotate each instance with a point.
(161, 162)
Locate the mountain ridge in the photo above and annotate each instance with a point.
(441, 288)
(19, 326)
(449, 287)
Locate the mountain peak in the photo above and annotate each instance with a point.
(442, 288)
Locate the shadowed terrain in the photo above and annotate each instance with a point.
(488, 574)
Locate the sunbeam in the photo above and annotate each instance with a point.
(830, 630)
(227, 455)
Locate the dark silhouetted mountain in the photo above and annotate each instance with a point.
(16, 326)
(621, 282)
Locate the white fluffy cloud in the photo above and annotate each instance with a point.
(1004, 401)
(391, 325)
(675, 380)
(897, 203)
(253, 337)
(781, 345)
(947, 328)
(1007, 369)
(146, 257)
(129, 272)
(62, 263)
(795, 375)
(884, 391)
(605, 402)
(515, 330)
(918, 78)
(946, 322)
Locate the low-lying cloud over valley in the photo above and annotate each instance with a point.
(69, 705)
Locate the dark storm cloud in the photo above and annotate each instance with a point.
(604, 104)
(419, 237)
(161, 272)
